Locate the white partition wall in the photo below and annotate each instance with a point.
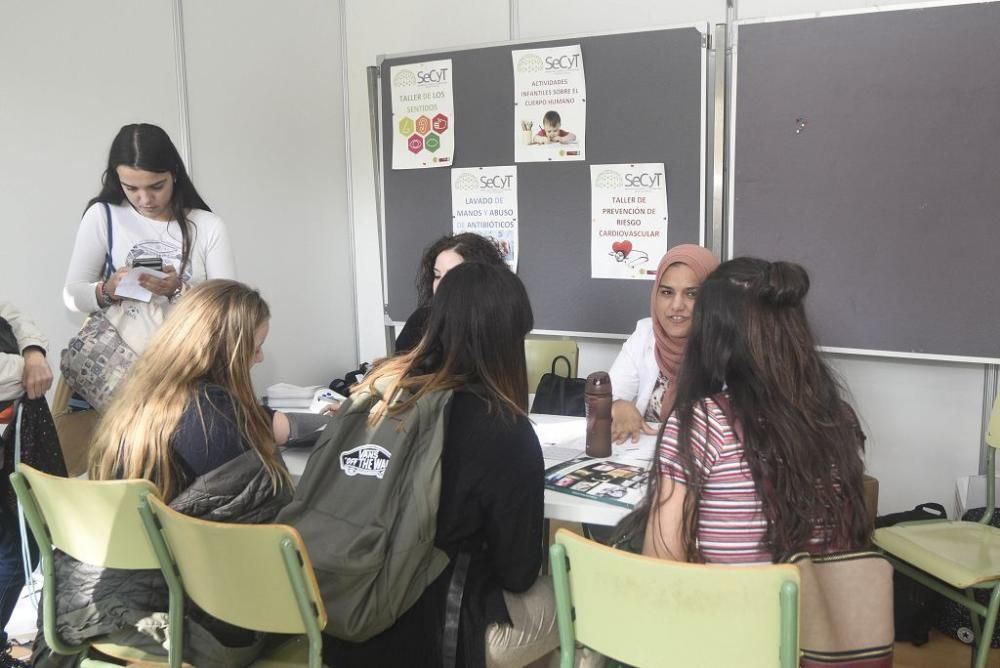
(267, 133)
(266, 117)
(71, 74)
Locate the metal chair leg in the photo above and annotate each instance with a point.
(985, 638)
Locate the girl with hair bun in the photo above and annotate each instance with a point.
(761, 458)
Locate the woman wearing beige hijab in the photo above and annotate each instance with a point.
(643, 377)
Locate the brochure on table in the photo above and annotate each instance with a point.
(619, 481)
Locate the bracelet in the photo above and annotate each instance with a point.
(103, 299)
(176, 293)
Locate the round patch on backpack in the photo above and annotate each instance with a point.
(368, 459)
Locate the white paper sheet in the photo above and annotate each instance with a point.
(628, 220)
(484, 201)
(550, 93)
(423, 115)
(129, 285)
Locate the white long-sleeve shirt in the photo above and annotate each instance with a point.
(134, 235)
(12, 365)
(635, 372)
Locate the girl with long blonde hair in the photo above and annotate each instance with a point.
(188, 405)
(186, 418)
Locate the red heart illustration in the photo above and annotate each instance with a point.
(623, 247)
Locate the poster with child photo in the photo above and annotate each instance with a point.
(550, 104)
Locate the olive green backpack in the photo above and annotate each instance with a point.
(366, 507)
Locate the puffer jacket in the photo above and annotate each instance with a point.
(130, 606)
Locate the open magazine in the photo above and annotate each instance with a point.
(618, 482)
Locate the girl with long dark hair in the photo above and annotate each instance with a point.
(492, 486)
(156, 213)
(440, 257)
(761, 457)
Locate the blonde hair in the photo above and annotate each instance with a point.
(208, 338)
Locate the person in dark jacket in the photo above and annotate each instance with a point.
(492, 487)
(24, 375)
(440, 257)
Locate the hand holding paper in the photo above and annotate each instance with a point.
(130, 287)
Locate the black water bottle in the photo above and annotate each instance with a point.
(597, 402)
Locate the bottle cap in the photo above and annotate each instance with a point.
(598, 382)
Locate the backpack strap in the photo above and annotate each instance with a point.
(453, 610)
(109, 265)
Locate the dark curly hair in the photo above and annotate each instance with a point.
(472, 248)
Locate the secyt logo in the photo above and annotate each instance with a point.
(466, 182)
(433, 76)
(498, 182)
(609, 179)
(530, 63)
(564, 62)
(644, 180)
(404, 79)
(368, 459)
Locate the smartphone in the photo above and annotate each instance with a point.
(149, 262)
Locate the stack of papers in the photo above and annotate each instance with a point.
(284, 396)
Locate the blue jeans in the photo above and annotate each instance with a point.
(11, 568)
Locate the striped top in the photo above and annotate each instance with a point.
(731, 524)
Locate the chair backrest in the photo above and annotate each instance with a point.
(651, 612)
(993, 440)
(243, 574)
(96, 522)
(539, 353)
(993, 428)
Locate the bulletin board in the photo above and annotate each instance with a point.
(865, 147)
(646, 102)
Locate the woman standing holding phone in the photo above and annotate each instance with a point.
(155, 213)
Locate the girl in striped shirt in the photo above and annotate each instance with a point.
(761, 458)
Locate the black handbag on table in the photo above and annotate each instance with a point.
(559, 395)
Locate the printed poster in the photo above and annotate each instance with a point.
(628, 220)
(550, 104)
(484, 201)
(423, 115)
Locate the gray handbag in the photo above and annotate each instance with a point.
(97, 357)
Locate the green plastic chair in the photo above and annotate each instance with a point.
(94, 522)
(651, 612)
(538, 356)
(255, 576)
(953, 557)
